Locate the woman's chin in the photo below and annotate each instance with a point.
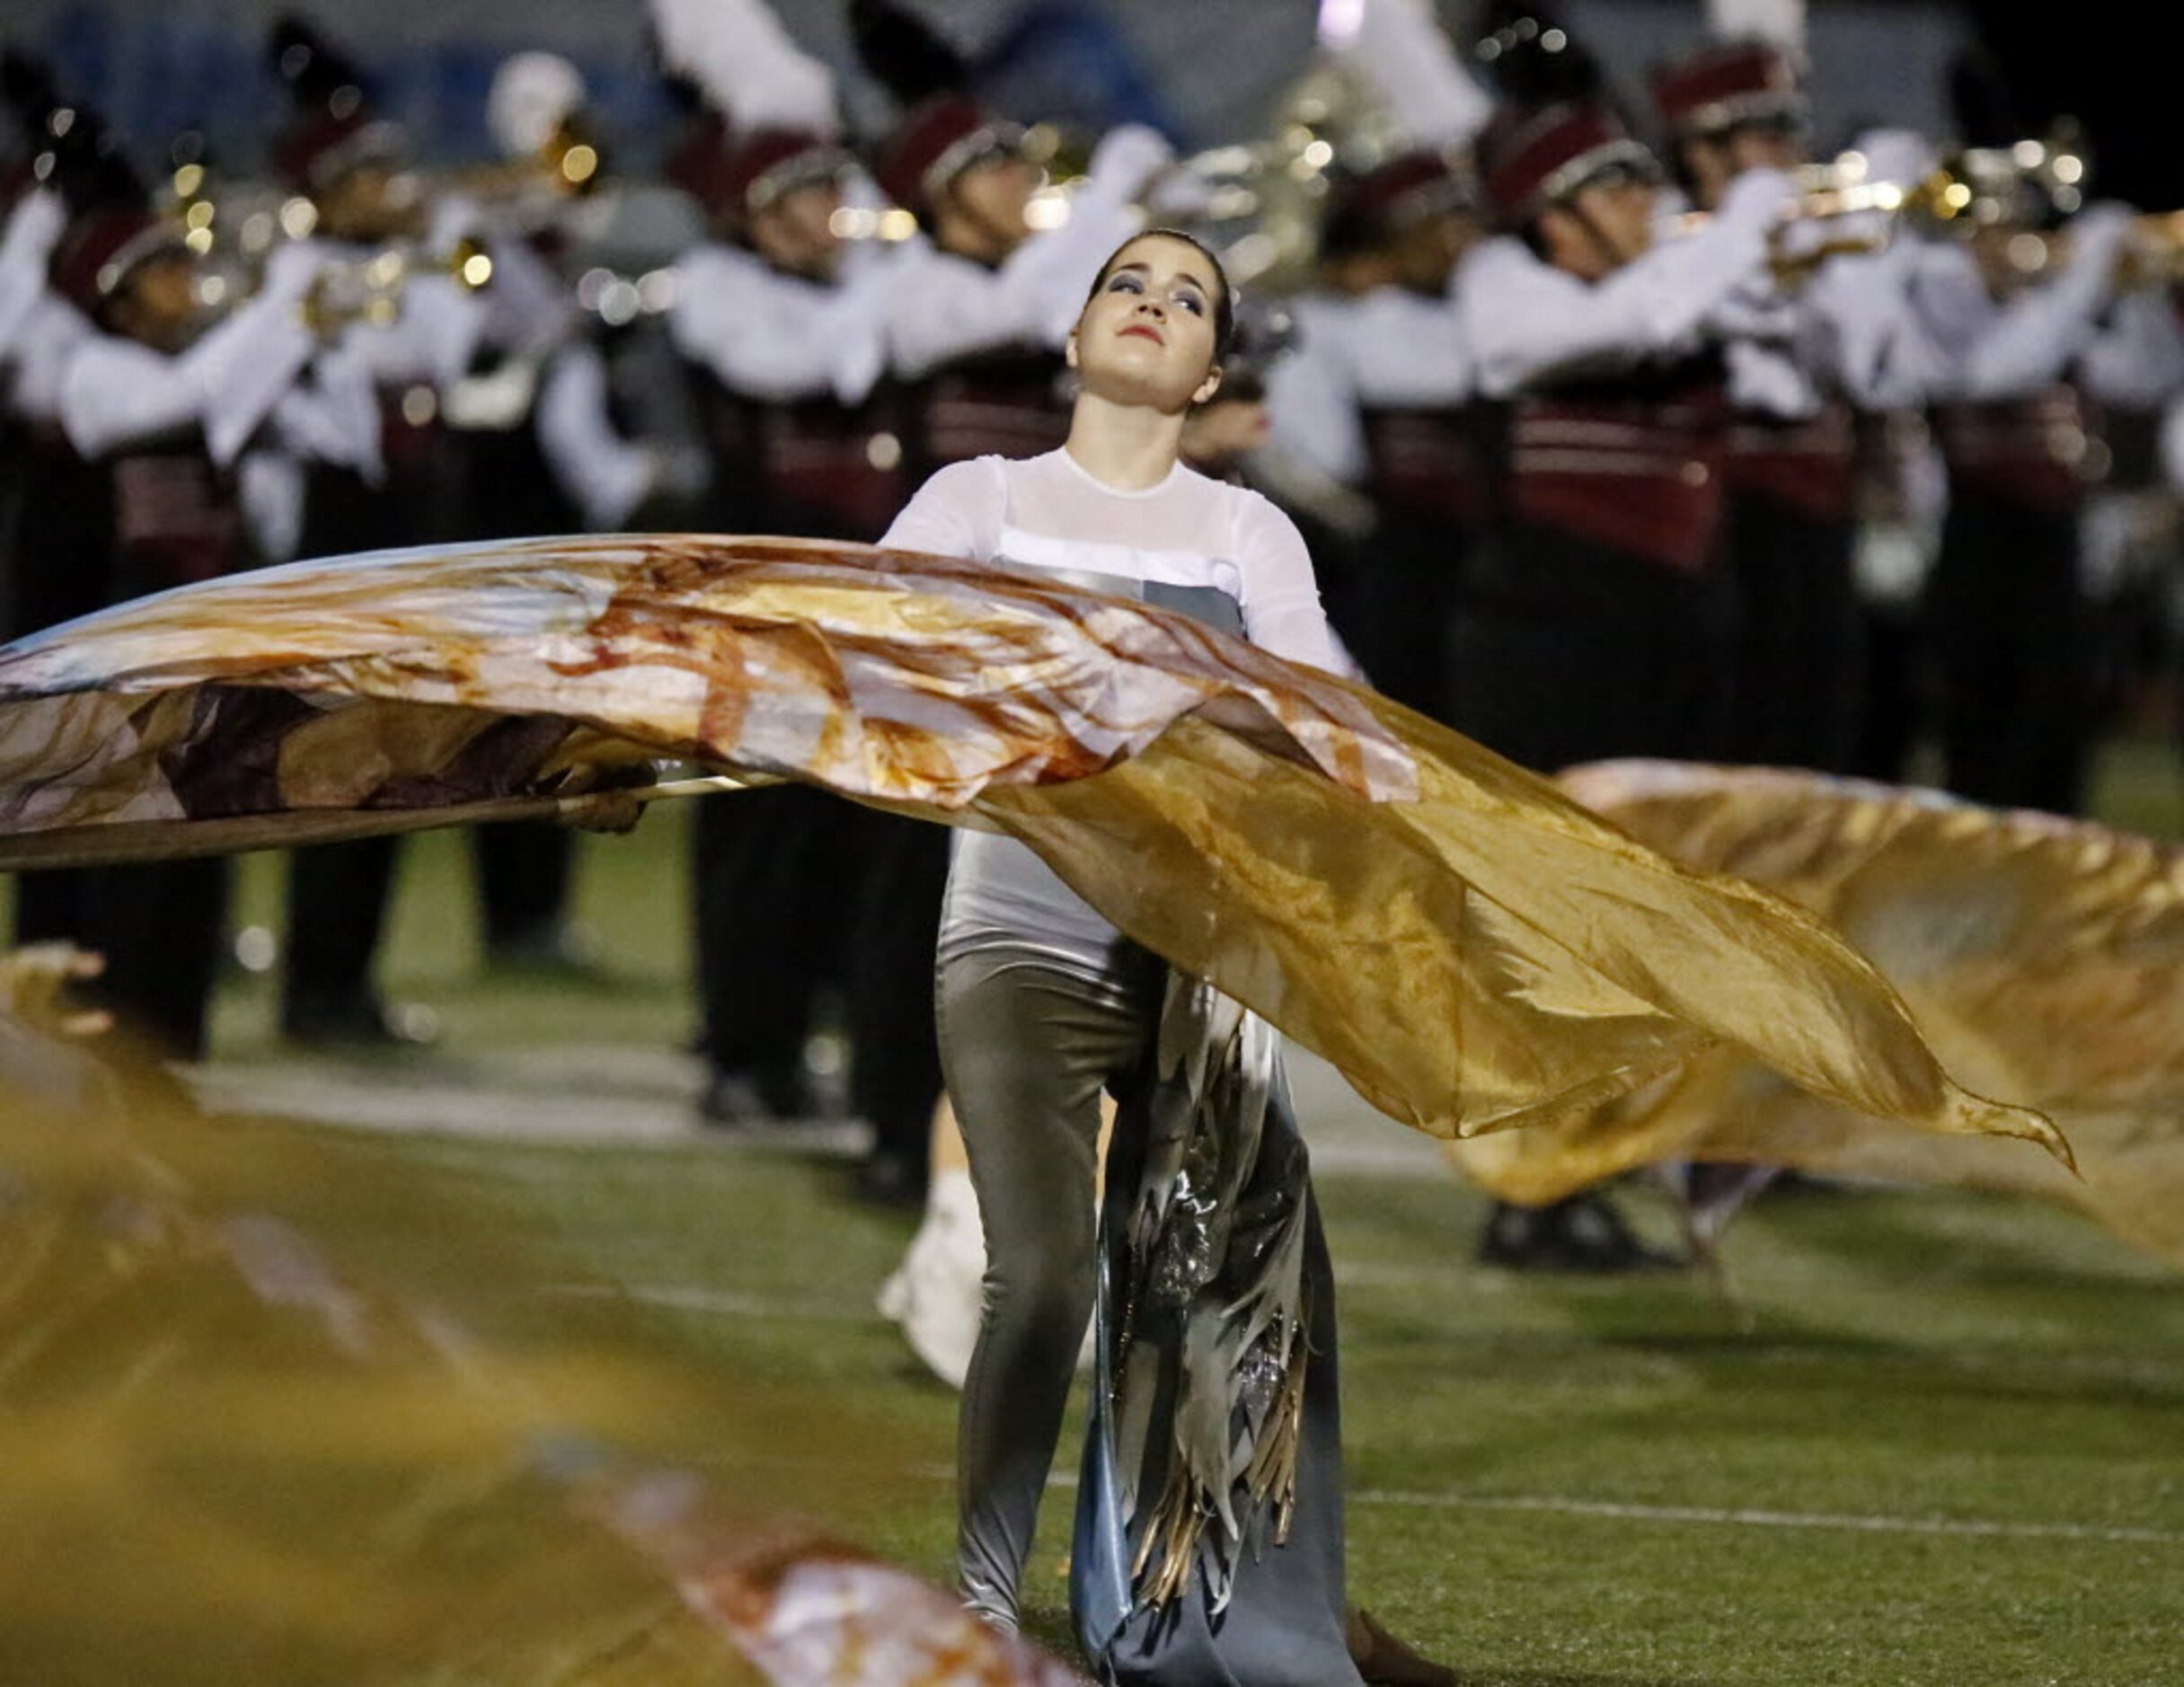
(1135, 390)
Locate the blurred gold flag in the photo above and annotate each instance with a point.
(249, 1432)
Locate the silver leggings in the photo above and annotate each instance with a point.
(1027, 1046)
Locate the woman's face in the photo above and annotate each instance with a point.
(1147, 334)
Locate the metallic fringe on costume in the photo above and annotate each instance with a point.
(1214, 1309)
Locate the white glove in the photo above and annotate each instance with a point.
(1126, 159)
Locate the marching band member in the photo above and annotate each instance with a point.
(383, 477)
(163, 407)
(1601, 622)
(1794, 443)
(784, 322)
(1375, 396)
(58, 542)
(1607, 614)
(2033, 348)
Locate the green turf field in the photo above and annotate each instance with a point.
(1940, 1441)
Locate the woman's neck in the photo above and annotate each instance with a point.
(1130, 448)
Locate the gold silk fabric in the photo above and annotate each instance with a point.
(1473, 949)
(2042, 959)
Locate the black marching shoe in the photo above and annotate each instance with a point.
(356, 1024)
(734, 1099)
(1584, 1233)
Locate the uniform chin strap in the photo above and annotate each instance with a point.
(1615, 255)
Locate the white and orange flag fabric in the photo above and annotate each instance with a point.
(1470, 946)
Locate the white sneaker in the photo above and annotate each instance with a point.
(936, 1294)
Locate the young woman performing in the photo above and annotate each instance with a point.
(1042, 1004)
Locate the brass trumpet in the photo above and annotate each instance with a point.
(1841, 187)
(370, 289)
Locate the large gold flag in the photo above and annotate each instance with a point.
(1470, 947)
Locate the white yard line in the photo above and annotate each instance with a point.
(1747, 1517)
(1752, 1518)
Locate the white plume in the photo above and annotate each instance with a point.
(740, 54)
(1399, 48)
(1782, 21)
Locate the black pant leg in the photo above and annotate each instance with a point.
(161, 926)
(51, 907)
(338, 896)
(1799, 639)
(523, 871)
(760, 877)
(2009, 627)
(895, 1076)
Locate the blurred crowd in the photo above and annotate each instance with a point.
(1615, 432)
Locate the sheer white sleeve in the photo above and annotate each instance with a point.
(956, 513)
(1281, 599)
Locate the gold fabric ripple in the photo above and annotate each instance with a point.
(2042, 959)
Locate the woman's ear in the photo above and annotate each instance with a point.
(1208, 386)
(1069, 350)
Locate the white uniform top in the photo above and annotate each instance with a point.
(778, 338)
(47, 336)
(26, 245)
(2125, 350)
(1388, 347)
(940, 307)
(1527, 322)
(1047, 513)
(115, 393)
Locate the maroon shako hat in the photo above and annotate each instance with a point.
(1725, 84)
(1531, 159)
(937, 142)
(100, 248)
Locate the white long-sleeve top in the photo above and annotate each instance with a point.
(1388, 347)
(942, 307)
(1049, 513)
(26, 245)
(115, 393)
(47, 337)
(2125, 350)
(778, 338)
(1527, 322)
(433, 336)
(606, 475)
